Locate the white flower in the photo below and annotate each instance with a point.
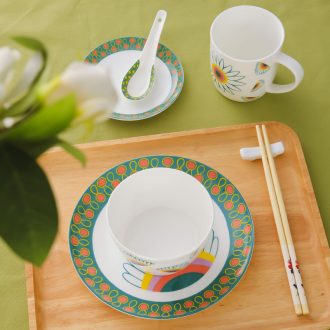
(92, 87)
(8, 122)
(90, 84)
(31, 70)
(8, 58)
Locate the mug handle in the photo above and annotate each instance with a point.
(295, 67)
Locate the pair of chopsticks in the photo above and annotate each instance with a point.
(282, 225)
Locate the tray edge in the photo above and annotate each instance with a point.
(30, 292)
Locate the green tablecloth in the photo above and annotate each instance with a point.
(70, 28)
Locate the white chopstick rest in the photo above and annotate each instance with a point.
(254, 153)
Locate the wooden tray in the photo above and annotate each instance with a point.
(57, 299)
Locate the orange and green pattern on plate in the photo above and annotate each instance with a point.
(165, 54)
(224, 194)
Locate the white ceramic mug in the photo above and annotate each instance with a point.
(246, 44)
(160, 219)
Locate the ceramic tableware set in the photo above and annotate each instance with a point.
(164, 236)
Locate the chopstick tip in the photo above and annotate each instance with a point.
(298, 309)
(305, 309)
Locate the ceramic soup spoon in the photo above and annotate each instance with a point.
(139, 79)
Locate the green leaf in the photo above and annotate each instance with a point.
(28, 221)
(30, 43)
(46, 122)
(35, 149)
(73, 151)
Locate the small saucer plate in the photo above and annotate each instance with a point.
(118, 55)
(123, 286)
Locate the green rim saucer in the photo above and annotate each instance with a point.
(119, 54)
(122, 286)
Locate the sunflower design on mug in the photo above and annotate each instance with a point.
(225, 78)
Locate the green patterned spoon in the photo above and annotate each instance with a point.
(139, 79)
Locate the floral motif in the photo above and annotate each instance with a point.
(249, 98)
(261, 68)
(258, 85)
(227, 80)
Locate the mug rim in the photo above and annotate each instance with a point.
(213, 43)
(154, 260)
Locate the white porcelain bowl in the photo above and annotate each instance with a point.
(160, 219)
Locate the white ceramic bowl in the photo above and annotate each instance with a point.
(160, 219)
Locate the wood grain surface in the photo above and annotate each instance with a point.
(57, 299)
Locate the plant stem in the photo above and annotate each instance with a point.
(48, 88)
